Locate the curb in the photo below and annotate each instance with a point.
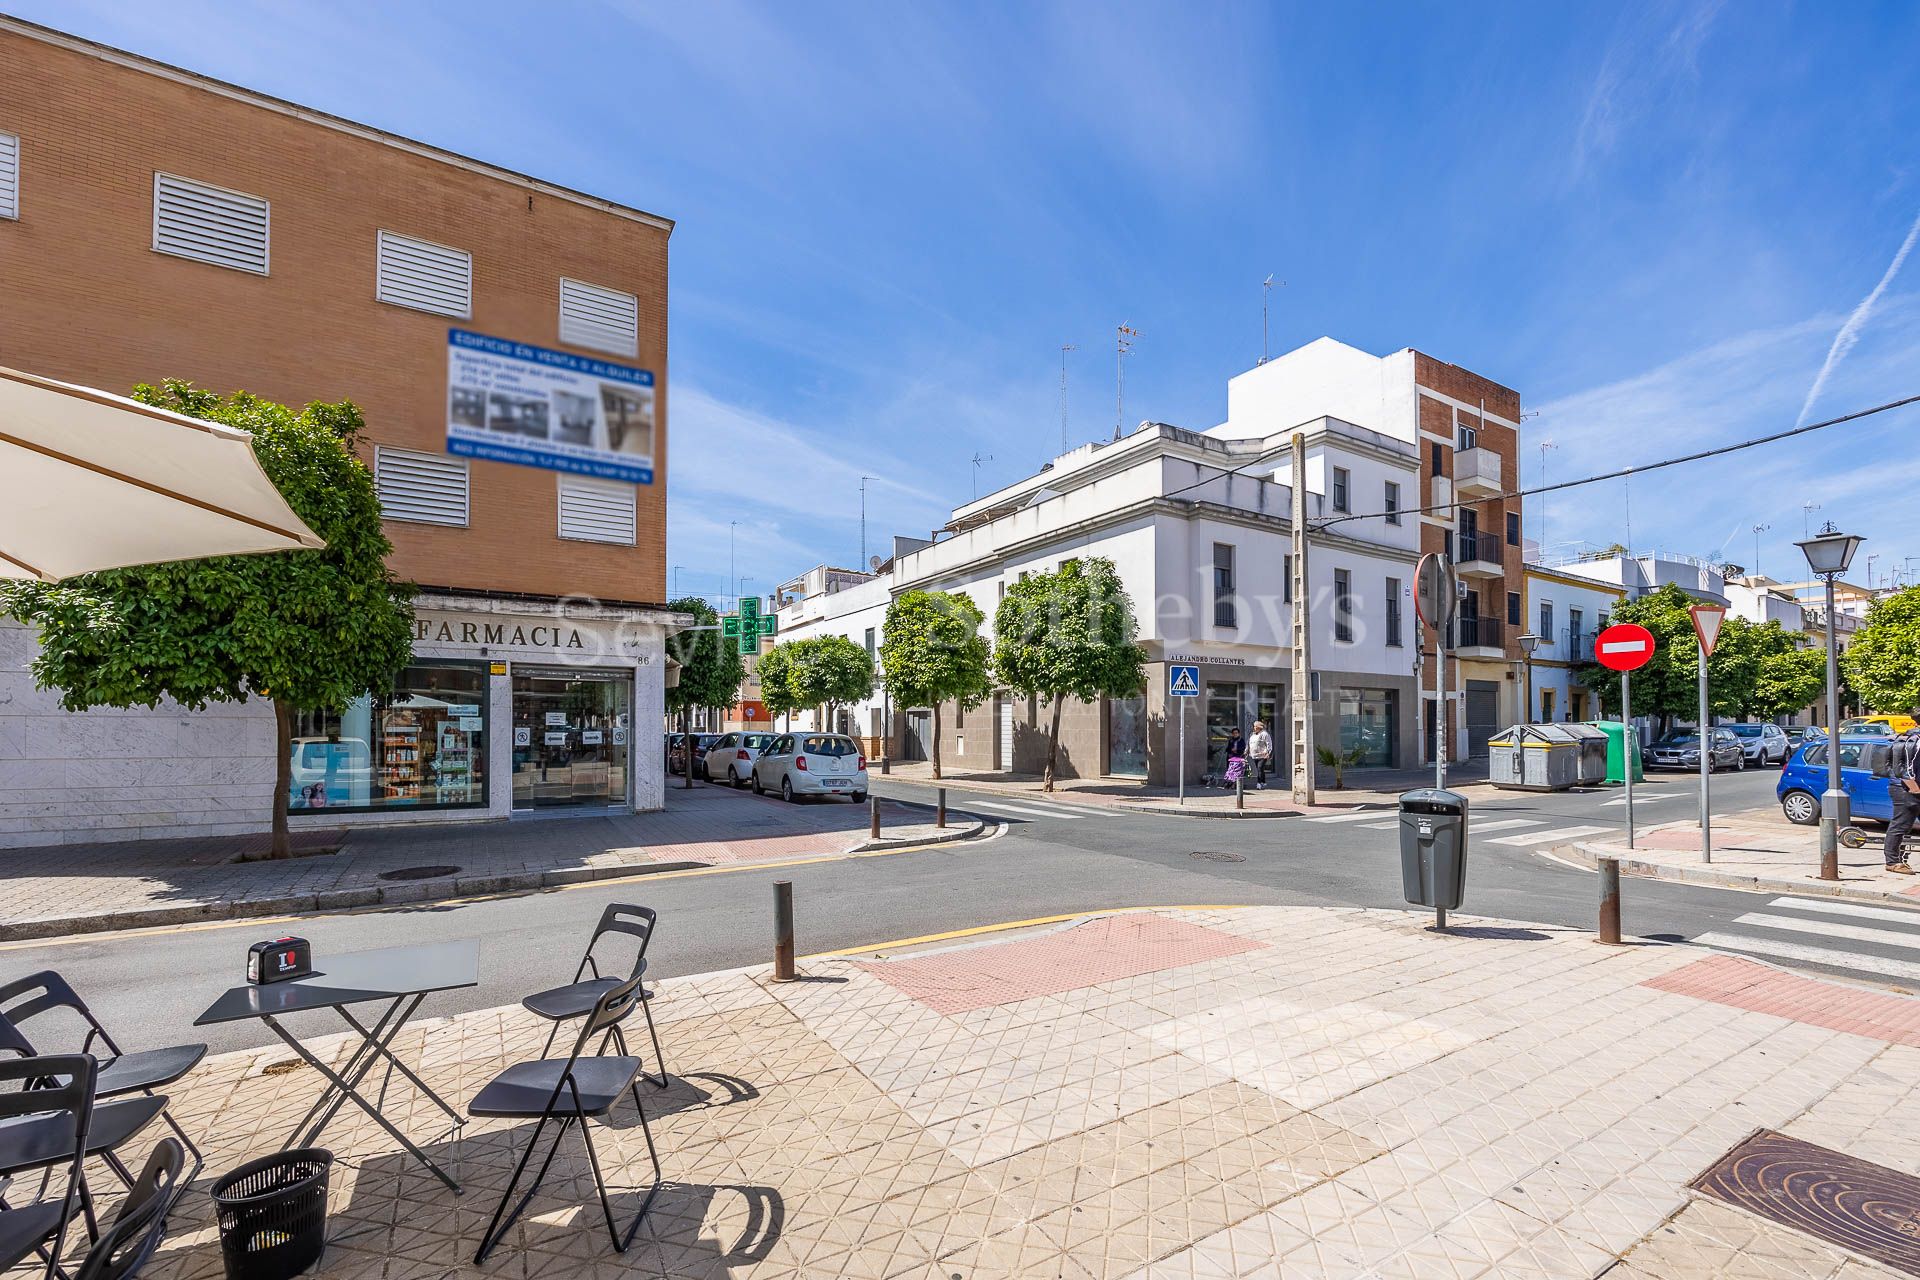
(952, 834)
(1587, 855)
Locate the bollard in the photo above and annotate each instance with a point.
(873, 818)
(1610, 900)
(1240, 792)
(783, 930)
(940, 807)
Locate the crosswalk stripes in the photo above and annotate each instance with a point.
(1656, 798)
(1886, 942)
(1559, 835)
(1038, 809)
(1358, 815)
(1503, 824)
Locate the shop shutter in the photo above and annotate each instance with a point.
(424, 276)
(9, 176)
(427, 488)
(596, 511)
(210, 224)
(604, 319)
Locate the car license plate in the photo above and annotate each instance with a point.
(836, 782)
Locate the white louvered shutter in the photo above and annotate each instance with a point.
(9, 175)
(211, 224)
(424, 275)
(596, 510)
(427, 488)
(604, 319)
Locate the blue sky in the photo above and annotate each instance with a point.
(1652, 219)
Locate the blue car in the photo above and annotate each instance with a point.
(1863, 776)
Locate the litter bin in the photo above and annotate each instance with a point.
(1433, 848)
(273, 1214)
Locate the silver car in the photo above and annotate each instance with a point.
(731, 757)
(811, 764)
(1763, 744)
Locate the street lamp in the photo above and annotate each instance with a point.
(1828, 555)
(1528, 643)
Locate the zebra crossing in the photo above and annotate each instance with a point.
(1546, 837)
(1874, 944)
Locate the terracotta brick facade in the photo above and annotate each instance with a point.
(86, 299)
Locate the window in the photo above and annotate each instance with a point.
(1393, 613)
(425, 488)
(1342, 605)
(1393, 502)
(1468, 436)
(1223, 587)
(423, 275)
(1513, 528)
(209, 224)
(869, 642)
(1438, 459)
(421, 745)
(1576, 623)
(1602, 626)
(9, 175)
(1513, 608)
(1342, 485)
(1369, 720)
(596, 510)
(1546, 620)
(604, 319)
(1286, 579)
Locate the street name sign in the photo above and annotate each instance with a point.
(1624, 646)
(1706, 624)
(1183, 681)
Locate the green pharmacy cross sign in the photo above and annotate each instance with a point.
(747, 626)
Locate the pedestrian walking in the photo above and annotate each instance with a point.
(1260, 751)
(1903, 788)
(1236, 759)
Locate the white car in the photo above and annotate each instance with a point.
(730, 757)
(811, 764)
(1763, 744)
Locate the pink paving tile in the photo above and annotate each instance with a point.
(1745, 984)
(1084, 956)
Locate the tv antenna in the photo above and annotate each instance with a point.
(863, 515)
(1266, 292)
(979, 458)
(1064, 348)
(1123, 345)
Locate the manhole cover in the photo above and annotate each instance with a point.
(1206, 856)
(433, 872)
(1850, 1202)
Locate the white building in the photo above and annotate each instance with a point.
(1566, 611)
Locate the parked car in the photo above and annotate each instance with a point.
(1763, 743)
(1681, 750)
(1880, 726)
(1863, 776)
(1797, 734)
(731, 757)
(811, 764)
(677, 752)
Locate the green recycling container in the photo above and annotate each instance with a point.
(1618, 736)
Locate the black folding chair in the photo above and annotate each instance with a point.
(568, 1091)
(49, 1105)
(577, 998)
(40, 1136)
(120, 1074)
(142, 1220)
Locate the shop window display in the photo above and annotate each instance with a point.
(420, 746)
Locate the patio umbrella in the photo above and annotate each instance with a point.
(93, 481)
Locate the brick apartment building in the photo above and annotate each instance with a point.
(504, 336)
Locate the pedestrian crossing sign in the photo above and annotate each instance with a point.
(1183, 680)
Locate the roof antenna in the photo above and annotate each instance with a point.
(1123, 342)
(979, 458)
(1266, 292)
(1064, 348)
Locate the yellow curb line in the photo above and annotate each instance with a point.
(979, 929)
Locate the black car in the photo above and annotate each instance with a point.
(1681, 750)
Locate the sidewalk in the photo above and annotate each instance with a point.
(1277, 1092)
(1755, 849)
(86, 888)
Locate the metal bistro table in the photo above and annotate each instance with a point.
(401, 976)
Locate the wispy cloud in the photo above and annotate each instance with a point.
(1652, 51)
(1849, 335)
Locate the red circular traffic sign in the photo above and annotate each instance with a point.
(1624, 646)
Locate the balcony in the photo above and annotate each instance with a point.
(1476, 473)
(1478, 555)
(1579, 646)
(1478, 637)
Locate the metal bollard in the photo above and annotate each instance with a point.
(940, 807)
(783, 930)
(1240, 792)
(1610, 900)
(873, 818)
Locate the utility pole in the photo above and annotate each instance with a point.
(1064, 348)
(979, 458)
(1300, 699)
(1123, 344)
(863, 521)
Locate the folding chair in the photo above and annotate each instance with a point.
(40, 1137)
(576, 999)
(568, 1091)
(121, 1074)
(56, 1127)
(142, 1220)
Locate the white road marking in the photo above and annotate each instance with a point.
(1833, 908)
(1504, 823)
(1767, 947)
(1655, 798)
(1025, 811)
(1389, 825)
(1560, 836)
(1357, 815)
(1833, 929)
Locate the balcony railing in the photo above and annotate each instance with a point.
(1579, 646)
(1477, 631)
(1468, 547)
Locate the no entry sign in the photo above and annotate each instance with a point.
(1624, 646)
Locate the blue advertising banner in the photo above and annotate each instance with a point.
(513, 402)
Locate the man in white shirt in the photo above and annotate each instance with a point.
(1260, 751)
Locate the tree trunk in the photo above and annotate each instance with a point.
(936, 740)
(1053, 741)
(282, 843)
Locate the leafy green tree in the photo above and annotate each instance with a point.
(770, 669)
(308, 630)
(1066, 634)
(1667, 686)
(1790, 680)
(932, 653)
(1882, 664)
(827, 672)
(711, 668)
(1758, 672)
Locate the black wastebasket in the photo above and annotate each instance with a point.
(1433, 848)
(273, 1214)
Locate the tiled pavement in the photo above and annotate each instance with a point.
(1282, 1092)
(79, 888)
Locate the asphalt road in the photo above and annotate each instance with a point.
(1041, 860)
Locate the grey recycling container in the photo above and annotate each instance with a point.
(1433, 847)
(1534, 757)
(1592, 745)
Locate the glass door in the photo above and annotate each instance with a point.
(571, 736)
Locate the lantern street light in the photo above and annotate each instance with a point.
(1528, 643)
(1828, 555)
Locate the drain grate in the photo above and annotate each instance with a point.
(1204, 855)
(1839, 1198)
(431, 872)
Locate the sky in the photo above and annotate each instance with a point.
(1668, 225)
